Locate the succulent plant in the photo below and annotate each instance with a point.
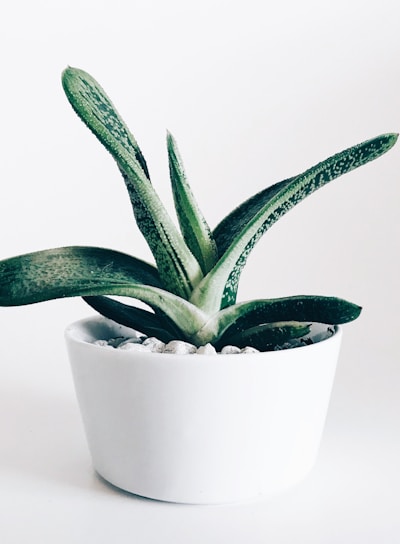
(191, 290)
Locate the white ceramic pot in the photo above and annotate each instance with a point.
(201, 429)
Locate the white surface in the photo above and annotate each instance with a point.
(49, 492)
(254, 93)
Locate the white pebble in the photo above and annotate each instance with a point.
(154, 344)
(127, 341)
(134, 346)
(230, 349)
(208, 349)
(179, 347)
(249, 349)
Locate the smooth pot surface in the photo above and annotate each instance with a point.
(196, 428)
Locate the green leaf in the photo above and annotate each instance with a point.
(69, 271)
(178, 268)
(194, 227)
(220, 285)
(236, 222)
(96, 110)
(138, 319)
(86, 271)
(266, 336)
(235, 319)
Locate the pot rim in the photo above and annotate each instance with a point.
(75, 333)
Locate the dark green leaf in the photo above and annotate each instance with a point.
(194, 227)
(138, 319)
(69, 271)
(234, 223)
(234, 320)
(220, 285)
(266, 336)
(88, 271)
(178, 268)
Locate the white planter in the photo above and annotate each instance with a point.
(196, 428)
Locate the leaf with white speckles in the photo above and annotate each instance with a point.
(88, 271)
(231, 322)
(239, 232)
(178, 268)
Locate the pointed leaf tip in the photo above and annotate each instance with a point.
(177, 266)
(195, 230)
(251, 220)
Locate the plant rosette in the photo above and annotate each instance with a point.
(191, 428)
(200, 429)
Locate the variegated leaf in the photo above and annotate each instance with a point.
(178, 268)
(235, 319)
(86, 271)
(219, 288)
(194, 227)
(266, 336)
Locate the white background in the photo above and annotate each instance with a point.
(254, 92)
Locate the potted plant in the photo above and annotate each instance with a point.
(206, 427)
